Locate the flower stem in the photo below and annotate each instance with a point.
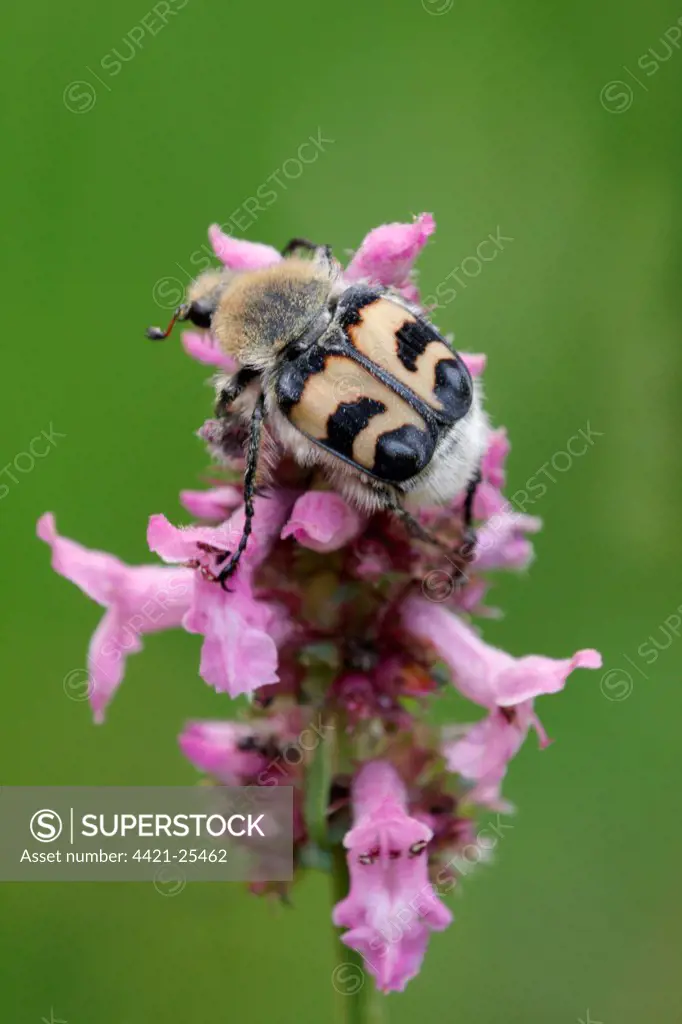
(358, 1001)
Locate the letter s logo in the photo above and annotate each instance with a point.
(46, 826)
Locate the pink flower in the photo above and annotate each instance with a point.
(238, 254)
(215, 503)
(204, 348)
(493, 463)
(322, 520)
(240, 631)
(502, 543)
(223, 749)
(497, 681)
(486, 748)
(255, 753)
(139, 599)
(475, 362)
(387, 255)
(337, 639)
(489, 499)
(391, 906)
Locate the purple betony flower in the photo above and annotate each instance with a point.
(138, 599)
(505, 685)
(336, 613)
(391, 907)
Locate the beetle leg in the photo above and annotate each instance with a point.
(416, 528)
(233, 389)
(469, 530)
(252, 454)
(463, 555)
(298, 243)
(465, 551)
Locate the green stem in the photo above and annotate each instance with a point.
(358, 1001)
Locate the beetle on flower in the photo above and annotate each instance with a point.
(329, 613)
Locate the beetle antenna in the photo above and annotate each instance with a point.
(156, 334)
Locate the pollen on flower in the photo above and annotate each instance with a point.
(333, 628)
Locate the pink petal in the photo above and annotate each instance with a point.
(238, 254)
(241, 634)
(493, 462)
(96, 573)
(474, 664)
(525, 678)
(179, 543)
(488, 794)
(486, 748)
(392, 963)
(489, 499)
(485, 674)
(204, 349)
(213, 747)
(391, 905)
(322, 520)
(502, 543)
(235, 657)
(475, 363)
(388, 252)
(140, 599)
(111, 642)
(214, 503)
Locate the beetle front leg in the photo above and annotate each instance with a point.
(232, 390)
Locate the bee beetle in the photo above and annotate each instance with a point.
(350, 378)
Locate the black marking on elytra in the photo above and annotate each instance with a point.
(347, 421)
(430, 415)
(414, 337)
(402, 453)
(294, 374)
(353, 301)
(454, 388)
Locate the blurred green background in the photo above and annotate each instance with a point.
(490, 116)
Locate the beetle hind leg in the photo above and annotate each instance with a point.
(464, 553)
